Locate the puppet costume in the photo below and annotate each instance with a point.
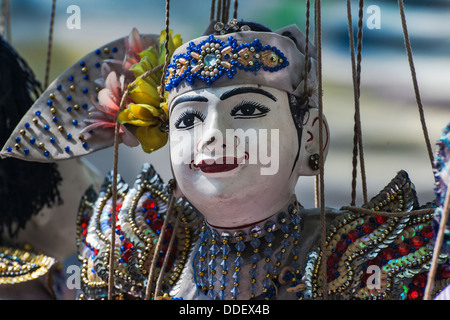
(275, 259)
(279, 257)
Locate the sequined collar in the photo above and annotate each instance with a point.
(261, 228)
(251, 259)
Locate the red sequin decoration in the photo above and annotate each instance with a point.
(333, 259)
(417, 241)
(341, 246)
(353, 235)
(157, 224)
(415, 294)
(331, 274)
(380, 219)
(388, 253)
(126, 255)
(427, 232)
(127, 245)
(149, 204)
(444, 271)
(420, 280)
(151, 215)
(404, 249)
(367, 228)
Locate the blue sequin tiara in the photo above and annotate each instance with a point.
(213, 58)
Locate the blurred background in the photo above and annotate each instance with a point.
(391, 128)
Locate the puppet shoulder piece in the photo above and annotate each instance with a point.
(25, 274)
(141, 214)
(380, 251)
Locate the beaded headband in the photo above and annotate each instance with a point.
(273, 59)
(213, 58)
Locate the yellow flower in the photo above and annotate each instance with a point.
(151, 138)
(140, 115)
(149, 109)
(149, 60)
(164, 105)
(151, 54)
(144, 93)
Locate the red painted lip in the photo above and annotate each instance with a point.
(220, 165)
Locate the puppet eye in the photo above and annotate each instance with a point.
(249, 110)
(189, 119)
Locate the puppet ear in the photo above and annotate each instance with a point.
(57, 126)
(311, 144)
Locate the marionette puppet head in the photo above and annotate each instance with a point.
(242, 128)
(242, 125)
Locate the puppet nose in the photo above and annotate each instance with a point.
(208, 143)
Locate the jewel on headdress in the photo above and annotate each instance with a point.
(212, 58)
(231, 26)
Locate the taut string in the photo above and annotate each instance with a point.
(166, 46)
(235, 13)
(50, 44)
(437, 248)
(318, 29)
(151, 272)
(356, 75)
(388, 214)
(219, 10)
(440, 235)
(114, 182)
(415, 83)
(305, 83)
(213, 7)
(169, 248)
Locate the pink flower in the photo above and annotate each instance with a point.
(105, 113)
(133, 46)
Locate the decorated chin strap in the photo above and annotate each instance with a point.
(77, 113)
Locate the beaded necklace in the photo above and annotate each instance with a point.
(250, 262)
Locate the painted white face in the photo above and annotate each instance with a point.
(234, 152)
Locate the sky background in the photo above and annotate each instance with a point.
(392, 134)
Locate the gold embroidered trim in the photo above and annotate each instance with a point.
(18, 266)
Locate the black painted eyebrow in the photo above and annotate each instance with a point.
(188, 98)
(242, 90)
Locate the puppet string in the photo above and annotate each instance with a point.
(415, 83)
(388, 214)
(166, 46)
(114, 182)
(50, 44)
(158, 247)
(356, 76)
(213, 6)
(437, 248)
(169, 249)
(318, 27)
